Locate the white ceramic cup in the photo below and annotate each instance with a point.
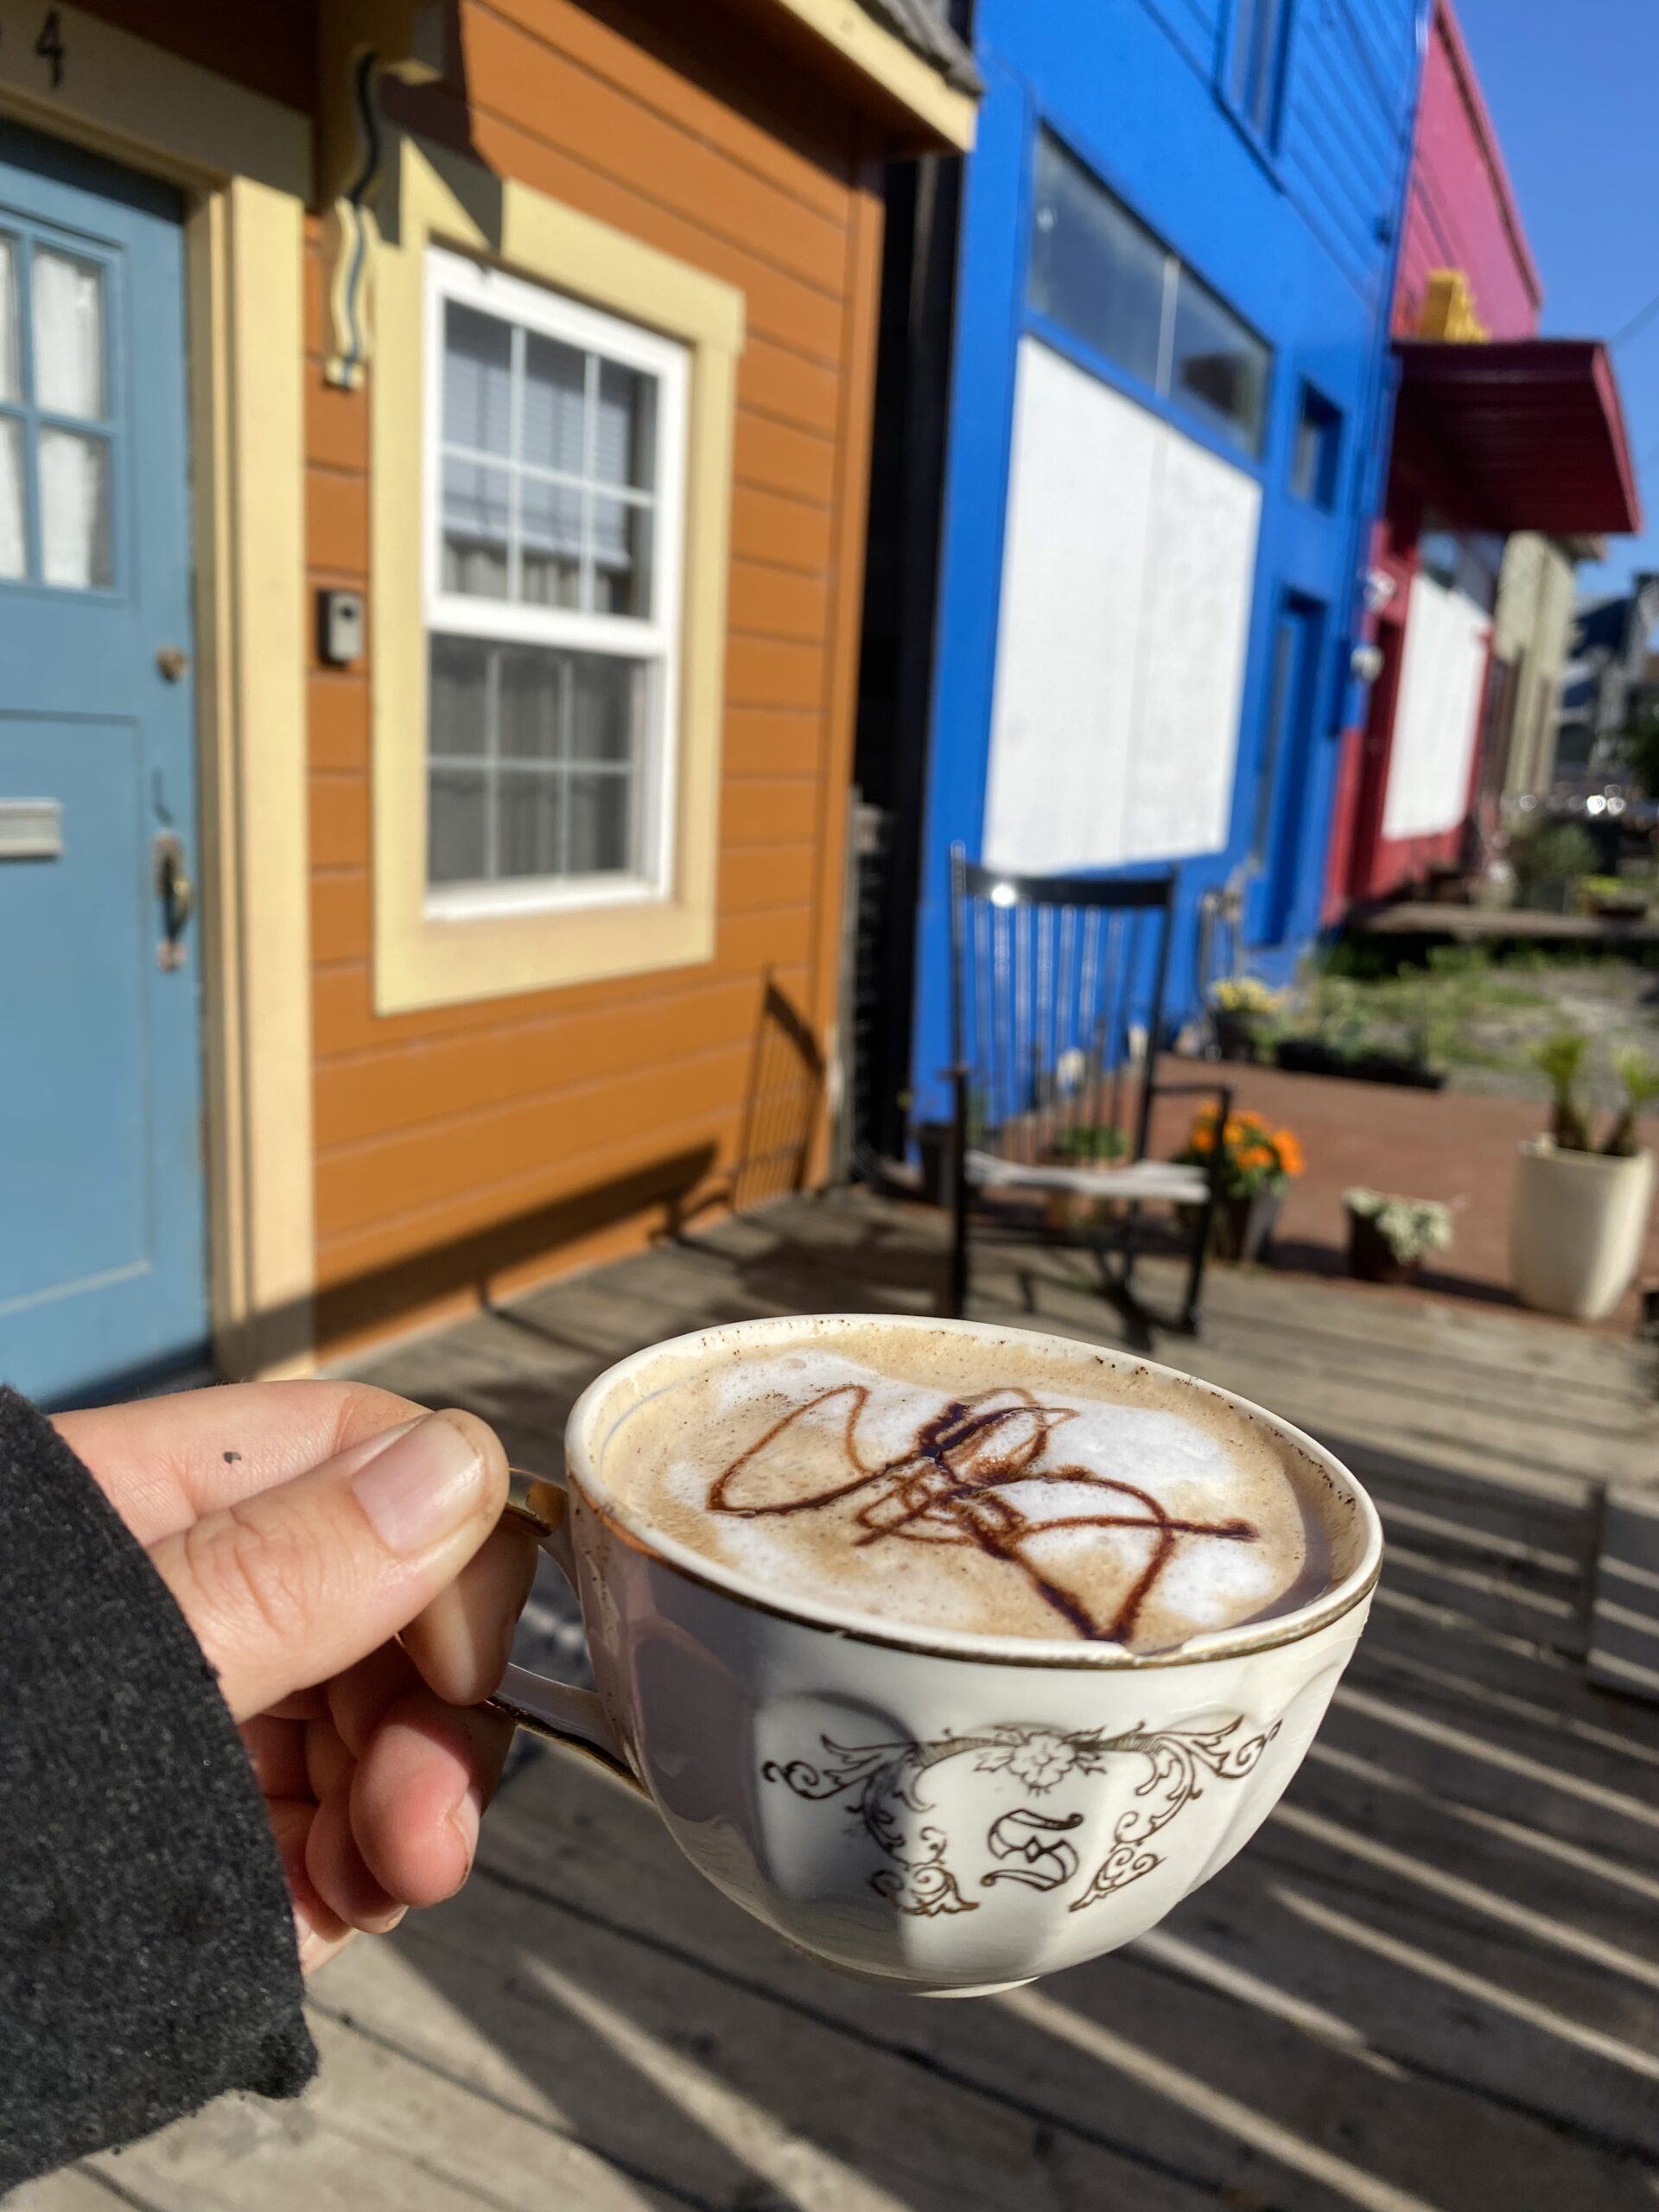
(939, 1813)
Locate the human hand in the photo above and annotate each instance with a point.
(339, 1555)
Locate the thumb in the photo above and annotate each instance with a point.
(285, 1588)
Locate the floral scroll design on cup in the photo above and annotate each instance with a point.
(881, 1782)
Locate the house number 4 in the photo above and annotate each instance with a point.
(50, 46)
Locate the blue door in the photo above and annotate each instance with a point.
(1287, 758)
(102, 1229)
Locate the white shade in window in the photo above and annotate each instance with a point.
(11, 379)
(67, 299)
(477, 381)
(555, 386)
(622, 434)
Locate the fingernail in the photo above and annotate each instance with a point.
(305, 1938)
(423, 1486)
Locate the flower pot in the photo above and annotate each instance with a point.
(1577, 1220)
(1238, 1036)
(1371, 1258)
(1067, 1213)
(1242, 1227)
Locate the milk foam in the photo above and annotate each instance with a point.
(837, 1470)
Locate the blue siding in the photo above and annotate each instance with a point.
(1301, 244)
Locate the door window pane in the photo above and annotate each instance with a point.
(74, 509)
(1217, 365)
(67, 298)
(1094, 268)
(14, 513)
(11, 385)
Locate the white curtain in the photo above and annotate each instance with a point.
(68, 297)
(13, 552)
(13, 547)
(75, 518)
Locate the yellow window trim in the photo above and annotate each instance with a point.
(245, 164)
(423, 960)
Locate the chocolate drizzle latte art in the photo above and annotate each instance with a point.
(959, 1483)
(972, 1488)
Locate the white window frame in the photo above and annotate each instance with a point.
(657, 640)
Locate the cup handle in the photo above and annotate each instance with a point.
(559, 1711)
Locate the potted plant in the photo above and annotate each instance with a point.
(1244, 1014)
(1548, 857)
(1097, 1144)
(1337, 1036)
(1257, 1163)
(1578, 1211)
(1389, 1237)
(1610, 899)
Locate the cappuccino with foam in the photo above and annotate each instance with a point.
(990, 1486)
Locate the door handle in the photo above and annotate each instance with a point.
(178, 897)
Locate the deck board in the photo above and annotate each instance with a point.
(1430, 1985)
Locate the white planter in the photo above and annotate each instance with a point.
(1577, 1220)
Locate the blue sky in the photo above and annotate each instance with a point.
(1572, 89)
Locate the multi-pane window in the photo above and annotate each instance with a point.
(56, 426)
(1099, 273)
(1256, 40)
(558, 438)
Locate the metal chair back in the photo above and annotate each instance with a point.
(1058, 988)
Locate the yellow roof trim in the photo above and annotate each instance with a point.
(888, 64)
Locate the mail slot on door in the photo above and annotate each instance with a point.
(31, 829)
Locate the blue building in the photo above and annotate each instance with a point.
(1144, 327)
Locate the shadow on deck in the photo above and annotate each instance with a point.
(1431, 1984)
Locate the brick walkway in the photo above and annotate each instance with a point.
(1448, 1145)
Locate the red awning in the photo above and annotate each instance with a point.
(1531, 427)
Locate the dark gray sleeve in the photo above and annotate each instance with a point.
(147, 1953)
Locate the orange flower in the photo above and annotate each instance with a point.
(1234, 1132)
(1290, 1153)
(1202, 1138)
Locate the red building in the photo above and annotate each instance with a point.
(1496, 431)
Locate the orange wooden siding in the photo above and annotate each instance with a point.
(473, 1147)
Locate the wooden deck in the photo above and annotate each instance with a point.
(1430, 1985)
(1473, 925)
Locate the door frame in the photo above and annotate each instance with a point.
(244, 163)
